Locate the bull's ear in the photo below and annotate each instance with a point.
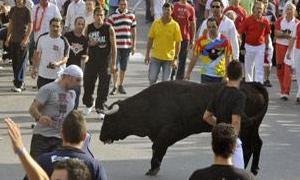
(113, 110)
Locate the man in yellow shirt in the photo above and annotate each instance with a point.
(164, 40)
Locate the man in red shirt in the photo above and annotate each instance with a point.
(283, 33)
(184, 15)
(239, 11)
(256, 29)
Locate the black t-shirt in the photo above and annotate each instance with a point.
(20, 18)
(47, 161)
(221, 172)
(228, 101)
(99, 54)
(78, 47)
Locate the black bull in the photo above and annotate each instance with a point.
(171, 111)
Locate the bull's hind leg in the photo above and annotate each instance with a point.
(256, 154)
(167, 137)
(247, 152)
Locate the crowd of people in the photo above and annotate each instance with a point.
(70, 41)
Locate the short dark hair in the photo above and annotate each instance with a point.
(212, 19)
(74, 127)
(98, 9)
(55, 19)
(168, 5)
(223, 140)
(76, 169)
(234, 70)
(220, 1)
(78, 18)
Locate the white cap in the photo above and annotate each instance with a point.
(73, 70)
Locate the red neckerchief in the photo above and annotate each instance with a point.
(37, 24)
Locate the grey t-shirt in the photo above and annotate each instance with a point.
(57, 104)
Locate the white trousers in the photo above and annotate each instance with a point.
(157, 8)
(297, 68)
(254, 63)
(238, 157)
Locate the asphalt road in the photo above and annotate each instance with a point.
(129, 159)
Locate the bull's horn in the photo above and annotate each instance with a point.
(113, 110)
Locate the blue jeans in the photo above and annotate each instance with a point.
(210, 79)
(154, 70)
(182, 60)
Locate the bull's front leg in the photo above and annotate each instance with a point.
(158, 153)
(167, 137)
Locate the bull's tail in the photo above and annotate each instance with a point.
(265, 95)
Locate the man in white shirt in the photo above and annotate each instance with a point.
(51, 54)
(156, 8)
(41, 15)
(226, 27)
(89, 12)
(75, 9)
(208, 12)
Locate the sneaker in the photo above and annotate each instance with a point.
(267, 83)
(101, 116)
(15, 89)
(23, 88)
(298, 101)
(87, 110)
(121, 90)
(102, 108)
(7, 61)
(113, 91)
(284, 97)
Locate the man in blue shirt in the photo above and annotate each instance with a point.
(73, 134)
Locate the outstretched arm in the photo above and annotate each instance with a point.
(33, 170)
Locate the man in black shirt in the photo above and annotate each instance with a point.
(73, 134)
(228, 106)
(78, 50)
(102, 61)
(223, 143)
(18, 33)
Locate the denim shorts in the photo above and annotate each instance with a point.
(122, 58)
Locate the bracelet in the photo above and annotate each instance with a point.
(21, 152)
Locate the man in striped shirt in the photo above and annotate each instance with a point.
(124, 24)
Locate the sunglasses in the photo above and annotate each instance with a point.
(217, 7)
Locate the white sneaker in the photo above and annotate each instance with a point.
(87, 111)
(16, 89)
(7, 61)
(101, 116)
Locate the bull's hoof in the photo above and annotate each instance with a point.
(152, 172)
(254, 171)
